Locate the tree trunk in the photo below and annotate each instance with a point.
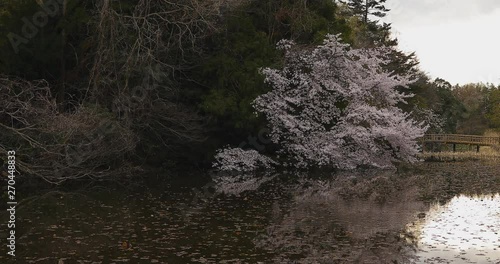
(62, 86)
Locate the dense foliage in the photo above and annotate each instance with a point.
(178, 78)
(335, 106)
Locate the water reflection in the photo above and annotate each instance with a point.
(464, 230)
(350, 217)
(237, 184)
(321, 226)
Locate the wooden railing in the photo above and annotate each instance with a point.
(461, 139)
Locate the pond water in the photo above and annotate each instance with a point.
(433, 213)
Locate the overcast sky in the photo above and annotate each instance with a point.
(457, 40)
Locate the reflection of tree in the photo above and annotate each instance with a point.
(322, 227)
(237, 184)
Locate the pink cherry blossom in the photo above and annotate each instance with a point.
(336, 106)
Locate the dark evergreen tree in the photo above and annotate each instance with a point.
(364, 8)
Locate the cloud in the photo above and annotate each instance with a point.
(455, 40)
(438, 11)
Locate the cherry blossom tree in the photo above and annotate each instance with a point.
(335, 106)
(237, 159)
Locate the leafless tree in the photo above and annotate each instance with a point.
(58, 146)
(140, 57)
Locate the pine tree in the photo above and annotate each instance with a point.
(364, 8)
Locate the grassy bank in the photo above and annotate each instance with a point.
(447, 156)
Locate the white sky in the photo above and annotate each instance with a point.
(457, 40)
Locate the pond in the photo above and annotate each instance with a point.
(431, 213)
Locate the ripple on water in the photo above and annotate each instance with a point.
(464, 230)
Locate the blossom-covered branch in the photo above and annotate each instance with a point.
(336, 106)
